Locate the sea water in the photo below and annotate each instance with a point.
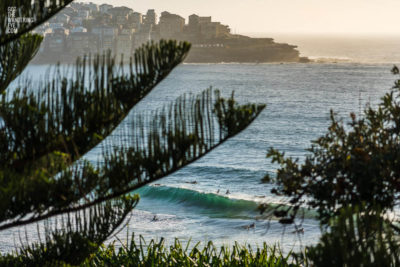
(299, 98)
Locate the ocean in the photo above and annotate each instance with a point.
(299, 98)
(361, 48)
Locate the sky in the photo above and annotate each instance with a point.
(362, 17)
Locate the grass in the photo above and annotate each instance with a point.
(139, 253)
(158, 254)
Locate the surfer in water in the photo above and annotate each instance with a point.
(250, 226)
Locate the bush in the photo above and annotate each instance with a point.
(352, 179)
(358, 167)
(356, 238)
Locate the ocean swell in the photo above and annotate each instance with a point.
(210, 204)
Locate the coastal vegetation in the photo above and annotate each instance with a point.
(351, 178)
(140, 253)
(158, 254)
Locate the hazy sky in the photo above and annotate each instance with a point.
(285, 16)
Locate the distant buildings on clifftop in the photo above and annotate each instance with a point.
(83, 28)
(88, 28)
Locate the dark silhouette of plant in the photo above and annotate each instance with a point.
(356, 238)
(47, 127)
(351, 177)
(359, 166)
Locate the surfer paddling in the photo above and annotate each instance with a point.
(250, 226)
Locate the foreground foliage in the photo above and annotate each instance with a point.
(139, 253)
(158, 254)
(351, 177)
(357, 238)
(359, 166)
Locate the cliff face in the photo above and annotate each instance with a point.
(268, 53)
(242, 49)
